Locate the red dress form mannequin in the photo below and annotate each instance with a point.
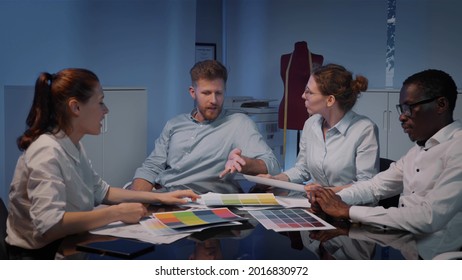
(296, 68)
(295, 80)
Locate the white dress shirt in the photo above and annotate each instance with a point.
(430, 180)
(349, 153)
(52, 177)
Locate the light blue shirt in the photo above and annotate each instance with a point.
(349, 153)
(188, 151)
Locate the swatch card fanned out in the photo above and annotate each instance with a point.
(167, 223)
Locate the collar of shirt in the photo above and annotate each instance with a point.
(343, 124)
(443, 135)
(68, 146)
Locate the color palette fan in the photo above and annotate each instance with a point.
(290, 220)
(190, 221)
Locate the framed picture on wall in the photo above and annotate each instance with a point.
(205, 51)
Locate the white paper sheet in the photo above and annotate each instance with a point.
(136, 231)
(293, 202)
(275, 183)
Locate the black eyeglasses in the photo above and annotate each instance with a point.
(406, 109)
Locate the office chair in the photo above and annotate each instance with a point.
(385, 164)
(390, 201)
(3, 217)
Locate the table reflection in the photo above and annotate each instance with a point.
(335, 244)
(207, 250)
(252, 241)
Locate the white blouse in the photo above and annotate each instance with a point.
(52, 177)
(349, 153)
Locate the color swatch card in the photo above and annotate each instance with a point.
(157, 228)
(167, 223)
(239, 199)
(290, 220)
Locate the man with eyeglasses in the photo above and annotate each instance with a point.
(428, 177)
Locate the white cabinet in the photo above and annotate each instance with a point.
(121, 147)
(380, 107)
(114, 154)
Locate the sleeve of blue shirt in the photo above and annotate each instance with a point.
(252, 144)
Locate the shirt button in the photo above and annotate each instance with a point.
(418, 170)
(402, 205)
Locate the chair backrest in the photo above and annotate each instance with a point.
(391, 201)
(3, 217)
(384, 164)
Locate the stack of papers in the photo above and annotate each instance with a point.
(136, 231)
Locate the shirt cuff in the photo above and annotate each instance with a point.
(355, 213)
(143, 175)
